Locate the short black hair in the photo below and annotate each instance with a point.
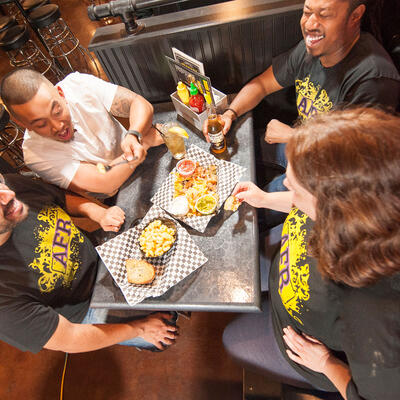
(372, 18)
(20, 86)
(355, 3)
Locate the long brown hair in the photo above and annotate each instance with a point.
(350, 161)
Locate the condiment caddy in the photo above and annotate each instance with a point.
(194, 118)
(194, 94)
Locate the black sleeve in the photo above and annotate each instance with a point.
(351, 392)
(375, 92)
(374, 381)
(26, 325)
(370, 340)
(286, 65)
(37, 191)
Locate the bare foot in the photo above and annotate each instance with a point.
(153, 138)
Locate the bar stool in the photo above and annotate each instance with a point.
(7, 22)
(12, 9)
(30, 5)
(61, 42)
(23, 52)
(11, 138)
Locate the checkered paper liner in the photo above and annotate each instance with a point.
(184, 258)
(228, 175)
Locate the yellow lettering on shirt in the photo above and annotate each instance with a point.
(56, 254)
(310, 99)
(293, 267)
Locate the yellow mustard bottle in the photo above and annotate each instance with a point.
(183, 93)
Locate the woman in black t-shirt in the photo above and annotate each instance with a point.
(335, 317)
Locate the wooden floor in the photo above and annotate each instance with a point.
(196, 368)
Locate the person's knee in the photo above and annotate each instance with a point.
(276, 185)
(228, 338)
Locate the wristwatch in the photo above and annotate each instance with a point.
(135, 133)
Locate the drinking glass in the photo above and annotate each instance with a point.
(174, 142)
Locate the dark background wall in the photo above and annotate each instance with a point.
(235, 40)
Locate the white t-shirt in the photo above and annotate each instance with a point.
(97, 136)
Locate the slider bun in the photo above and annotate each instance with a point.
(140, 272)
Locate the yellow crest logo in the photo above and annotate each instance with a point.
(311, 99)
(57, 258)
(293, 267)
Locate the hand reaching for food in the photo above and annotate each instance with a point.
(232, 203)
(250, 193)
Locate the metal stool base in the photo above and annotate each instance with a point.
(11, 139)
(29, 55)
(64, 47)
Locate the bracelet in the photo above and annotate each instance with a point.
(134, 133)
(234, 112)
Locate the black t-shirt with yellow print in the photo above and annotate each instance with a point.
(300, 297)
(366, 76)
(47, 267)
(361, 325)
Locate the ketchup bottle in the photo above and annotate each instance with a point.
(196, 101)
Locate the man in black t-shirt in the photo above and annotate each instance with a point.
(48, 270)
(335, 64)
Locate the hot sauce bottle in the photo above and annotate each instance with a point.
(196, 101)
(217, 138)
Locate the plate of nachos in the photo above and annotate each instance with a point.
(211, 179)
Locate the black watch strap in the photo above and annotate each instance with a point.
(135, 133)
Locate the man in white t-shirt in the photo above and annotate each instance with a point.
(71, 127)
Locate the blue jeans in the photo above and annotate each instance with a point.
(106, 316)
(272, 154)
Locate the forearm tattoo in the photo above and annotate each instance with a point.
(121, 104)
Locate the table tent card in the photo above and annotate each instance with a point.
(184, 258)
(228, 175)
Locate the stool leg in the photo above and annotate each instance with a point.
(86, 54)
(11, 139)
(31, 56)
(13, 10)
(66, 49)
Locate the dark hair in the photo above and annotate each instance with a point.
(355, 3)
(350, 161)
(20, 86)
(372, 18)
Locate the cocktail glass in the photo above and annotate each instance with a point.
(174, 142)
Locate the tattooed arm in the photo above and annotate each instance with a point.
(128, 104)
(125, 104)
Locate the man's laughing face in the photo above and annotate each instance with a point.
(47, 114)
(328, 30)
(12, 211)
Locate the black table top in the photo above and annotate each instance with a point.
(230, 280)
